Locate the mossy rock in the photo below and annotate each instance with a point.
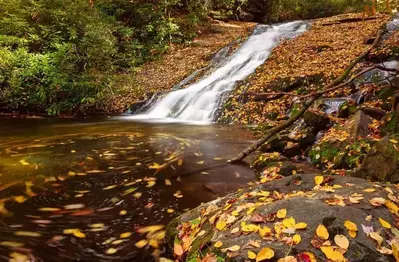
(347, 109)
(266, 160)
(381, 162)
(390, 124)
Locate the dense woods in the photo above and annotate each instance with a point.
(68, 56)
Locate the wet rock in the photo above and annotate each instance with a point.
(381, 163)
(347, 109)
(373, 112)
(308, 206)
(358, 125)
(222, 189)
(316, 119)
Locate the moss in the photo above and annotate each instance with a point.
(390, 124)
(171, 231)
(324, 152)
(201, 242)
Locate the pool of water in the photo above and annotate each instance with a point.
(87, 190)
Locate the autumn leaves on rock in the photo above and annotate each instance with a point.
(296, 219)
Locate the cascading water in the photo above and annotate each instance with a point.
(200, 101)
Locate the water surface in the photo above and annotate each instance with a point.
(70, 188)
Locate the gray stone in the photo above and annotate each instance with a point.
(358, 125)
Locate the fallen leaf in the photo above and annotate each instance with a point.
(384, 223)
(333, 254)
(377, 237)
(11, 244)
(318, 179)
(251, 255)
(125, 235)
(288, 259)
(142, 243)
(27, 234)
(265, 253)
(282, 213)
(218, 244)
(301, 225)
(178, 250)
(341, 241)
(322, 232)
(296, 239)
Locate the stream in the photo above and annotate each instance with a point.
(106, 177)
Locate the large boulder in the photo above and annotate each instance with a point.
(283, 215)
(381, 162)
(358, 125)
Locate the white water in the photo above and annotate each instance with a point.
(200, 101)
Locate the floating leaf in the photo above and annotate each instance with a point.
(341, 241)
(49, 209)
(111, 251)
(265, 253)
(322, 232)
(79, 234)
(23, 162)
(142, 243)
(125, 235)
(11, 244)
(74, 206)
(149, 229)
(27, 234)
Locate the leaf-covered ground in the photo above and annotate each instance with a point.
(318, 55)
(178, 63)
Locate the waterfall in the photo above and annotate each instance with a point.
(200, 101)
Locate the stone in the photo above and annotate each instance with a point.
(381, 163)
(309, 207)
(316, 119)
(358, 125)
(373, 112)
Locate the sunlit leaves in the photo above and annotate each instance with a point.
(322, 232)
(264, 254)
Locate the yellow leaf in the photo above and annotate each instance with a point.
(341, 241)
(350, 225)
(218, 244)
(282, 213)
(289, 222)
(149, 229)
(251, 255)
(318, 179)
(180, 162)
(142, 243)
(11, 244)
(111, 251)
(393, 141)
(233, 248)
(322, 232)
(250, 210)
(352, 233)
(369, 190)
(27, 234)
(296, 238)
(125, 235)
(19, 199)
(333, 254)
(377, 237)
(79, 234)
(385, 223)
(391, 206)
(265, 231)
(49, 209)
(220, 225)
(153, 243)
(265, 253)
(122, 212)
(301, 225)
(23, 162)
(151, 183)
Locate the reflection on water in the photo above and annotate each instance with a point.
(84, 190)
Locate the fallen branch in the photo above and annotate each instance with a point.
(332, 86)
